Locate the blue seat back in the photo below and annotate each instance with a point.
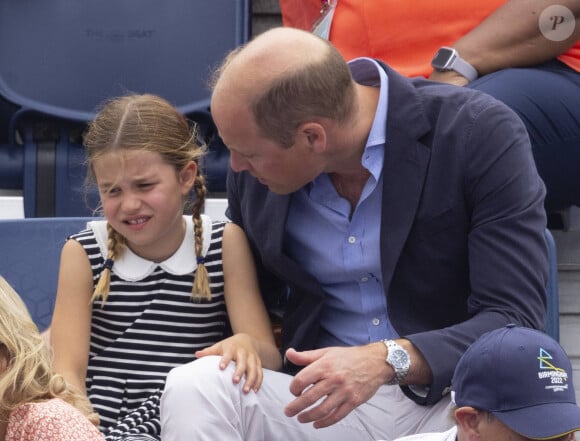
(64, 58)
(30, 256)
(60, 59)
(552, 293)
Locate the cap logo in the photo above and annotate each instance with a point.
(558, 376)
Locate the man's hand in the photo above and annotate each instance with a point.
(449, 77)
(335, 381)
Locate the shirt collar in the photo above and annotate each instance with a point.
(131, 267)
(368, 72)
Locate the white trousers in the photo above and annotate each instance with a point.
(200, 402)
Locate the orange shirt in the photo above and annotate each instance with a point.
(403, 33)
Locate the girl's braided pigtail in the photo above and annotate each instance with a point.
(201, 287)
(115, 245)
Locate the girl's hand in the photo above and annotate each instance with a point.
(243, 350)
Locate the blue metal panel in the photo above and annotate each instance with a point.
(30, 257)
(60, 60)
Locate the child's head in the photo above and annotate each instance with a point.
(142, 123)
(25, 366)
(142, 154)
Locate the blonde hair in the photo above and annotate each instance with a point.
(148, 123)
(26, 374)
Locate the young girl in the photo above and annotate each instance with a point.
(148, 288)
(35, 403)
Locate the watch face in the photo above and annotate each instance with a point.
(399, 359)
(442, 58)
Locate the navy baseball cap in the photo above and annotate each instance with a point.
(524, 378)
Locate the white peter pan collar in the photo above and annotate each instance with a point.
(131, 267)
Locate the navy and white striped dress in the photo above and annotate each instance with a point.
(148, 325)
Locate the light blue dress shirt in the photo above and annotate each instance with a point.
(344, 254)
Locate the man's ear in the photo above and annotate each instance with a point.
(314, 134)
(468, 422)
(187, 177)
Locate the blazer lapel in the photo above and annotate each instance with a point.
(404, 170)
(277, 261)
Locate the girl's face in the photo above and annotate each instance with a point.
(142, 198)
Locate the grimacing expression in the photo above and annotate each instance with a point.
(142, 198)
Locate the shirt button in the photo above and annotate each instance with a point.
(376, 321)
(364, 279)
(351, 239)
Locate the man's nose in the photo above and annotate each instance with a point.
(238, 162)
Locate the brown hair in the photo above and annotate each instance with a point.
(149, 123)
(323, 88)
(27, 374)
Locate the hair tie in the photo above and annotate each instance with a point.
(109, 264)
(200, 260)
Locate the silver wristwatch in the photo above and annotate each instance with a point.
(447, 58)
(399, 359)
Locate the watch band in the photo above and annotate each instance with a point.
(453, 61)
(462, 67)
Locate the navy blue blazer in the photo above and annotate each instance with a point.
(462, 227)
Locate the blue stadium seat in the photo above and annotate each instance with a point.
(552, 293)
(30, 256)
(59, 60)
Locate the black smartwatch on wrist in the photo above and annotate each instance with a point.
(447, 58)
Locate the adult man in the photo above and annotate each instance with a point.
(406, 219)
(532, 64)
(512, 384)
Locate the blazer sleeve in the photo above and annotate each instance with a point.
(246, 200)
(507, 252)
